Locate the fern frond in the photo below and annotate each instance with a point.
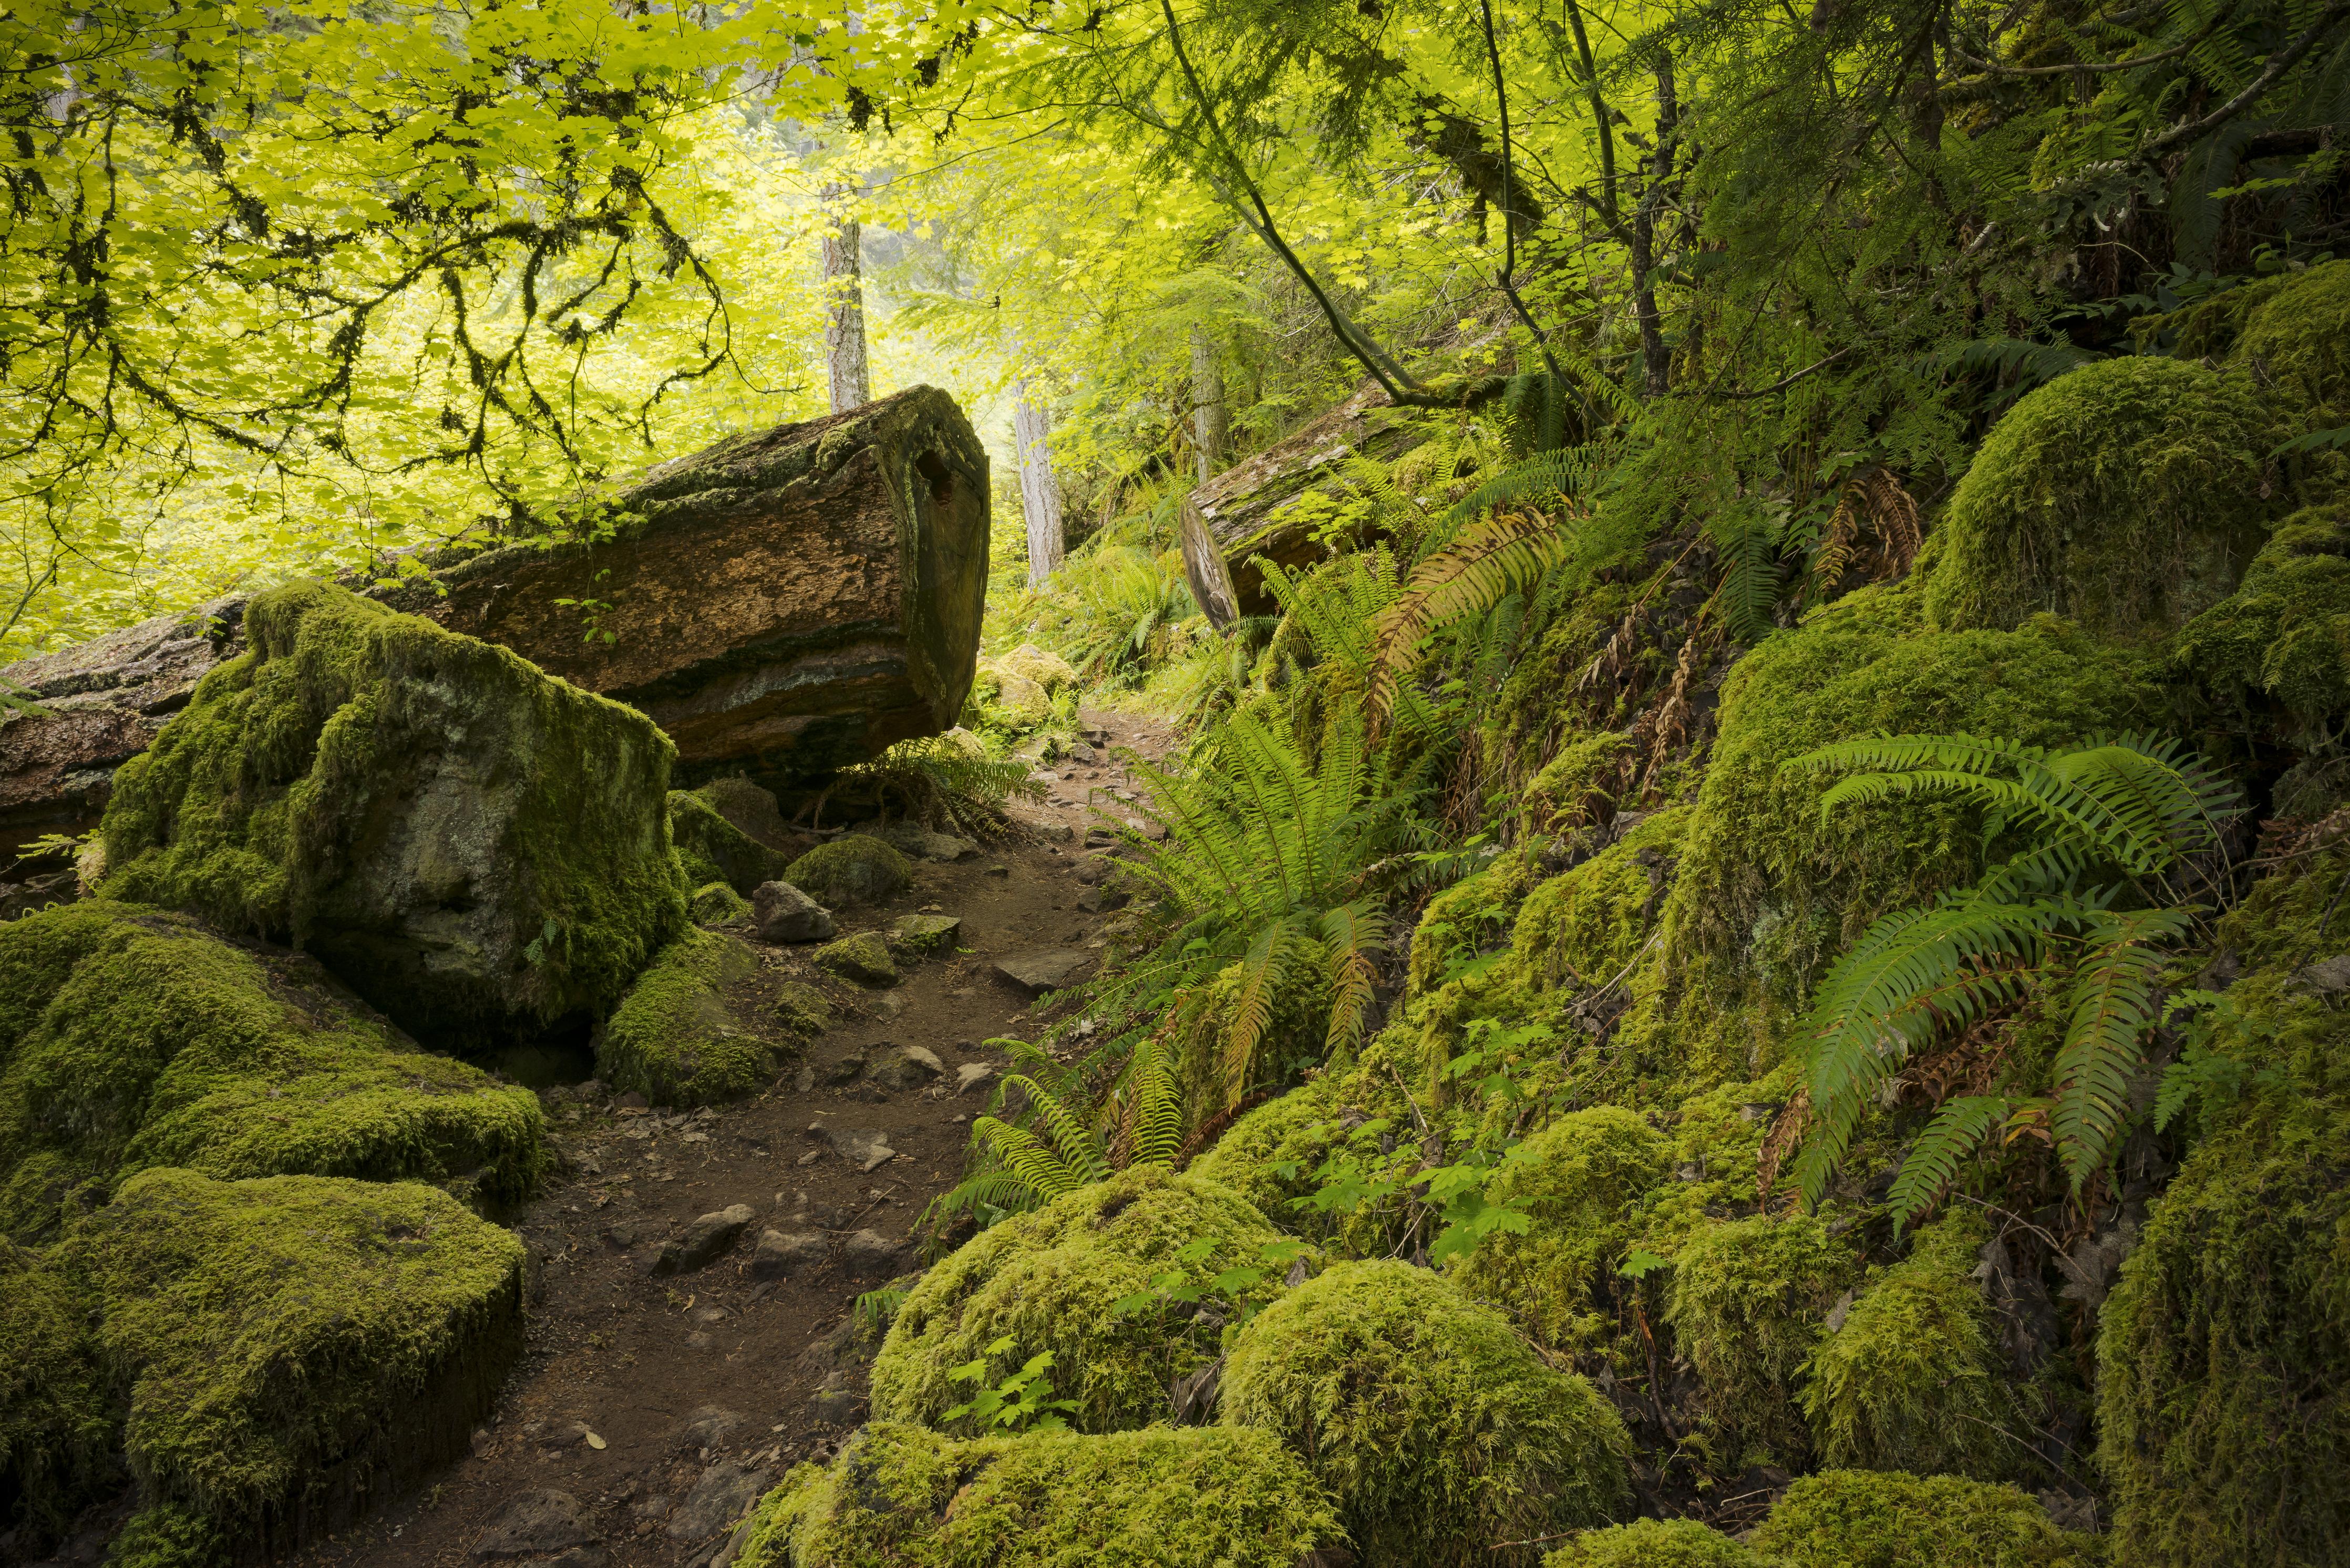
(1155, 1120)
(2112, 1005)
(1027, 1157)
(1078, 1146)
(1349, 935)
(1931, 1166)
(1542, 478)
(1505, 554)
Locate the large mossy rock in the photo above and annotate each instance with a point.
(788, 601)
(292, 1345)
(855, 868)
(1436, 1426)
(2126, 496)
(687, 1033)
(60, 1425)
(2284, 633)
(712, 849)
(1187, 1497)
(1052, 1279)
(1863, 1519)
(464, 841)
(132, 1037)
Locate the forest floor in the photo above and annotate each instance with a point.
(703, 1387)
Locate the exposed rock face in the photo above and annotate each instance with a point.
(787, 601)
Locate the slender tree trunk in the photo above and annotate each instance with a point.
(1211, 421)
(844, 295)
(1656, 355)
(1040, 487)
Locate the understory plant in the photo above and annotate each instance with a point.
(2116, 836)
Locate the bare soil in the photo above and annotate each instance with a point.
(701, 1389)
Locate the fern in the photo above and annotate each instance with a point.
(1505, 554)
(1931, 1167)
(938, 781)
(1545, 477)
(1746, 544)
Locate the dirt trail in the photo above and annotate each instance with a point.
(702, 1387)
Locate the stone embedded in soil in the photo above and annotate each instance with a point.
(785, 914)
(1044, 969)
(866, 1149)
(871, 1256)
(970, 1075)
(921, 844)
(848, 1070)
(723, 1494)
(908, 1068)
(781, 1257)
(929, 933)
(701, 1242)
(803, 1009)
(709, 1426)
(837, 1402)
(863, 958)
(534, 1522)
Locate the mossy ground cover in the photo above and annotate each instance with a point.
(1865, 1519)
(1748, 1298)
(1437, 1428)
(695, 1029)
(1190, 1498)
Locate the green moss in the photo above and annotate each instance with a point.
(157, 1043)
(678, 1037)
(855, 868)
(2286, 632)
(1582, 1176)
(1914, 1376)
(1470, 918)
(1579, 783)
(292, 1342)
(2125, 495)
(1193, 1498)
(863, 958)
(1655, 1543)
(1586, 926)
(714, 849)
(716, 904)
(1858, 1518)
(1294, 1132)
(1051, 1280)
(803, 1009)
(461, 839)
(2296, 338)
(1747, 1299)
(59, 1421)
(1764, 884)
(1438, 1430)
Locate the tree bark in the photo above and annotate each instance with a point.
(1040, 487)
(1211, 419)
(1204, 570)
(844, 365)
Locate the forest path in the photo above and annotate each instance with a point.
(703, 1387)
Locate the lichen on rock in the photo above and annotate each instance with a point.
(686, 1035)
(465, 841)
(1438, 1429)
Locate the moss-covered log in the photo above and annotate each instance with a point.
(788, 601)
(465, 842)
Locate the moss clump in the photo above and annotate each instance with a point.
(803, 1009)
(1193, 1498)
(863, 958)
(1586, 926)
(1049, 670)
(2299, 337)
(1434, 1425)
(464, 840)
(1860, 1519)
(2125, 495)
(1747, 1299)
(855, 868)
(1051, 1280)
(1655, 1543)
(1470, 918)
(60, 1423)
(1582, 1176)
(292, 1342)
(714, 849)
(1914, 1376)
(2285, 633)
(678, 1038)
(156, 1042)
(1294, 1130)
(1579, 783)
(716, 904)
(164, 1535)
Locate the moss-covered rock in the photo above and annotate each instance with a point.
(1190, 1498)
(2125, 495)
(1049, 670)
(1656, 1544)
(684, 1035)
(863, 958)
(1470, 918)
(802, 1008)
(2296, 338)
(1586, 926)
(291, 1344)
(1053, 1280)
(60, 1423)
(1438, 1429)
(463, 840)
(716, 904)
(1861, 1519)
(2286, 632)
(134, 1037)
(714, 849)
(1269, 1155)
(1748, 1300)
(166, 1535)
(855, 868)
(1914, 1376)
(1580, 1178)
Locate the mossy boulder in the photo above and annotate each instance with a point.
(863, 959)
(687, 1032)
(1586, 926)
(1915, 1377)
(712, 849)
(133, 1037)
(1436, 1426)
(1747, 1299)
(2296, 338)
(1656, 1544)
(2286, 632)
(60, 1425)
(1049, 670)
(1054, 1279)
(1861, 1519)
(855, 868)
(716, 904)
(1581, 1177)
(2126, 496)
(1189, 1498)
(463, 840)
(802, 1008)
(292, 1344)
(1296, 1130)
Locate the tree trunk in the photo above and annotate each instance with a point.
(1211, 421)
(844, 295)
(1040, 487)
